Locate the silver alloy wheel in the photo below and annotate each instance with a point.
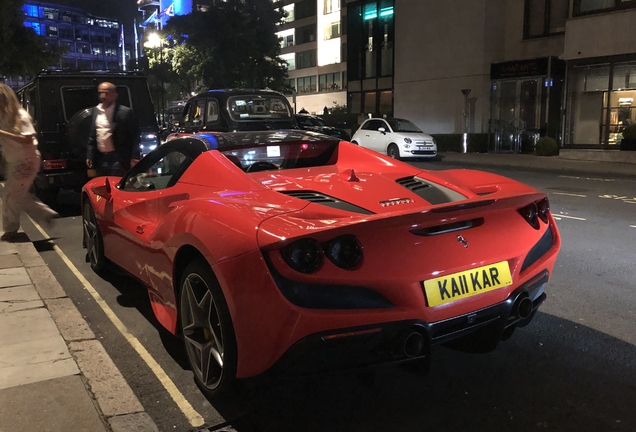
(91, 236)
(202, 331)
(394, 152)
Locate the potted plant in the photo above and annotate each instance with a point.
(629, 138)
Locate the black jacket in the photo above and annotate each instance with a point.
(125, 136)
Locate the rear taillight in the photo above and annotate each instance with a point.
(530, 214)
(53, 164)
(544, 210)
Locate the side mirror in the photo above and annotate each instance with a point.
(104, 190)
(382, 130)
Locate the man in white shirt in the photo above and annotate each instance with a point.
(113, 145)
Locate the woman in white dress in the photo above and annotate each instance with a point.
(19, 148)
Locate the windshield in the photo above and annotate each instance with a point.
(253, 107)
(399, 125)
(282, 156)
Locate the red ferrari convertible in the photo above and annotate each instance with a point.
(290, 251)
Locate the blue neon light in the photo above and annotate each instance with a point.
(31, 10)
(35, 26)
(211, 140)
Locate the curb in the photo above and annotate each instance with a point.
(115, 401)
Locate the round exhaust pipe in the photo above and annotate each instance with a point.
(411, 344)
(523, 307)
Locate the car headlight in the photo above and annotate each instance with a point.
(408, 140)
(345, 251)
(304, 256)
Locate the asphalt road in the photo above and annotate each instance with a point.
(572, 369)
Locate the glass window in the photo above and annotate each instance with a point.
(306, 34)
(329, 82)
(332, 30)
(212, 116)
(65, 32)
(75, 99)
(198, 112)
(50, 13)
(51, 31)
(355, 103)
(583, 6)
(370, 102)
(304, 9)
(31, 10)
(331, 6)
(307, 84)
(259, 107)
(305, 59)
(400, 125)
(289, 12)
(156, 171)
(545, 17)
(386, 102)
(586, 101)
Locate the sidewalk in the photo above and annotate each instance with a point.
(567, 163)
(54, 375)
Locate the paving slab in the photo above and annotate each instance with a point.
(25, 326)
(10, 277)
(7, 248)
(48, 287)
(69, 320)
(9, 261)
(104, 379)
(140, 422)
(37, 407)
(19, 298)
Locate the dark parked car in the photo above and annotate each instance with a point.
(316, 124)
(237, 110)
(60, 102)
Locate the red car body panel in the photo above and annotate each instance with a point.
(238, 221)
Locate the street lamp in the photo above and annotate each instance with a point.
(155, 42)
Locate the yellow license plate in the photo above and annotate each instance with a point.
(468, 283)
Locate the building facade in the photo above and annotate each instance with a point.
(511, 68)
(313, 42)
(91, 42)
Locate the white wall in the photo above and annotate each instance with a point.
(601, 35)
(445, 46)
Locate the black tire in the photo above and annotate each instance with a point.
(93, 239)
(393, 151)
(206, 325)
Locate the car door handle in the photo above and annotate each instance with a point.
(367, 135)
(140, 229)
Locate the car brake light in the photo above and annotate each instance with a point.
(55, 164)
(530, 214)
(544, 209)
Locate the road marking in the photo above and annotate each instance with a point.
(568, 194)
(569, 217)
(587, 178)
(193, 417)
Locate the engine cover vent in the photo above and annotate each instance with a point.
(326, 200)
(431, 192)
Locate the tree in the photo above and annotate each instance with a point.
(22, 51)
(233, 44)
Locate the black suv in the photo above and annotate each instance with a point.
(60, 102)
(237, 110)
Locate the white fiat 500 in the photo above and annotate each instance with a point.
(395, 137)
